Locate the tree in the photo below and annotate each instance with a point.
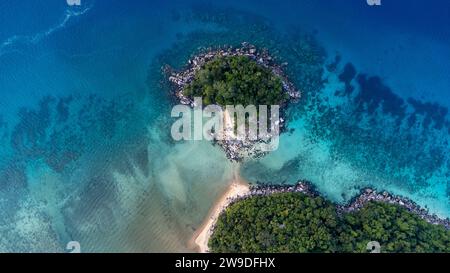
(295, 222)
(234, 80)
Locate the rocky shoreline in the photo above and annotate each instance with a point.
(183, 78)
(235, 149)
(366, 195)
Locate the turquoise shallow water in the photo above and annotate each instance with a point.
(344, 148)
(86, 152)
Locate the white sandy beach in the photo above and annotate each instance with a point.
(237, 188)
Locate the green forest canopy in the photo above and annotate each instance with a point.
(297, 223)
(235, 80)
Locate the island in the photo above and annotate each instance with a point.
(296, 219)
(237, 76)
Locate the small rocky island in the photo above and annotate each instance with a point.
(235, 76)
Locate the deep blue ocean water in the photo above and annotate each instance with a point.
(86, 153)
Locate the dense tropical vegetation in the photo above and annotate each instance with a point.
(295, 222)
(235, 80)
(395, 228)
